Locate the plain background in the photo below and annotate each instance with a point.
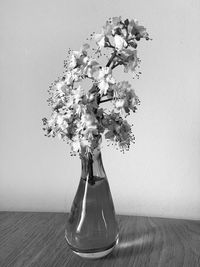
(160, 175)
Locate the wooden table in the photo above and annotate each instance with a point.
(37, 239)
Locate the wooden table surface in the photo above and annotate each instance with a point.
(37, 239)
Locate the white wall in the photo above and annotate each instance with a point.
(161, 174)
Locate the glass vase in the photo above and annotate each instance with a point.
(91, 228)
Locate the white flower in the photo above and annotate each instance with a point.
(130, 59)
(51, 122)
(100, 39)
(120, 42)
(132, 62)
(73, 75)
(125, 98)
(88, 120)
(72, 63)
(75, 145)
(59, 85)
(78, 93)
(91, 67)
(79, 109)
(69, 78)
(89, 125)
(84, 142)
(76, 55)
(105, 78)
(78, 59)
(119, 103)
(59, 120)
(137, 30)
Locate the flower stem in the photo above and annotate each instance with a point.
(106, 100)
(111, 59)
(91, 179)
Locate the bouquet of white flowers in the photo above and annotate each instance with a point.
(77, 113)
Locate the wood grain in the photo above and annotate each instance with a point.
(37, 239)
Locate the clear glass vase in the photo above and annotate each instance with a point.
(91, 228)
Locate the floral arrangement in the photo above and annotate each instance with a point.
(78, 114)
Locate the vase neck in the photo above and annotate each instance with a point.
(92, 166)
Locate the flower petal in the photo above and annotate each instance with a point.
(120, 43)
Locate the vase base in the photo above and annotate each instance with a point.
(95, 254)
